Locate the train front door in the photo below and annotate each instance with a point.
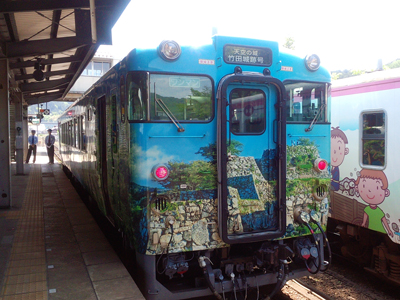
(251, 162)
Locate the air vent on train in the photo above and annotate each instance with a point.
(159, 203)
(320, 192)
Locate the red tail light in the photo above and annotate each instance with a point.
(160, 172)
(320, 164)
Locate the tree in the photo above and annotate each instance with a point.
(289, 43)
(394, 64)
(56, 108)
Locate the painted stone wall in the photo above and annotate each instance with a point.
(195, 227)
(251, 198)
(301, 182)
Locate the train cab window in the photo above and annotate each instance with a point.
(373, 139)
(136, 84)
(247, 111)
(183, 98)
(306, 101)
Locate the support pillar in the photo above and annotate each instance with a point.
(5, 159)
(19, 133)
(25, 131)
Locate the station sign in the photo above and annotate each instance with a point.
(35, 120)
(244, 55)
(46, 111)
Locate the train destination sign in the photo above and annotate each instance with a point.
(243, 55)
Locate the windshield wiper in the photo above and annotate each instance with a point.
(166, 110)
(315, 118)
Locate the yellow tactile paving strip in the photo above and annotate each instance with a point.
(26, 274)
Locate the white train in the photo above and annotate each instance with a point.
(365, 167)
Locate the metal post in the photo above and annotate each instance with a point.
(19, 133)
(5, 159)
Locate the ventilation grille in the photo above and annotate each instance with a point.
(321, 190)
(160, 203)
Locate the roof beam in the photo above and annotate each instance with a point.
(43, 85)
(31, 63)
(41, 98)
(43, 47)
(89, 52)
(46, 74)
(53, 32)
(35, 5)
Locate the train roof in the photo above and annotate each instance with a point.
(367, 77)
(365, 83)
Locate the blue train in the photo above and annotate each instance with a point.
(212, 161)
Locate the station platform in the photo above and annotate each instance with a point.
(50, 245)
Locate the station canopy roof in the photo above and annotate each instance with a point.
(53, 40)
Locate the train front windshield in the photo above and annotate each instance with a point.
(306, 101)
(184, 98)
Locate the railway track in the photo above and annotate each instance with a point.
(299, 290)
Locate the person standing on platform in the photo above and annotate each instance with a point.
(49, 141)
(32, 141)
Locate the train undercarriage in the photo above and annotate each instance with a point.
(372, 250)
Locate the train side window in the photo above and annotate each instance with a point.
(114, 125)
(83, 136)
(76, 133)
(373, 139)
(136, 109)
(247, 111)
(137, 96)
(122, 95)
(70, 133)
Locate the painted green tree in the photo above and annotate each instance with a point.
(210, 151)
(197, 175)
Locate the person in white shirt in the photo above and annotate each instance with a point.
(49, 141)
(32, 141)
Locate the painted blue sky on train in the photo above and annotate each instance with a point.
(345, 34)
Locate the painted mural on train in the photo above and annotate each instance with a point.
(364, 180)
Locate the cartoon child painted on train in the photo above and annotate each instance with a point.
(338, 151)
(372, 185)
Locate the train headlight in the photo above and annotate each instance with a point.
(169, 50)
(160, 172)
(312, 62)
(320, 165)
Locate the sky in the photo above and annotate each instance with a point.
(348, 34)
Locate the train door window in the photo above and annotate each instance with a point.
(247, 111)
(114, 126)
(306, 101)
(373, 139)
(136, 84)
(122, 95)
